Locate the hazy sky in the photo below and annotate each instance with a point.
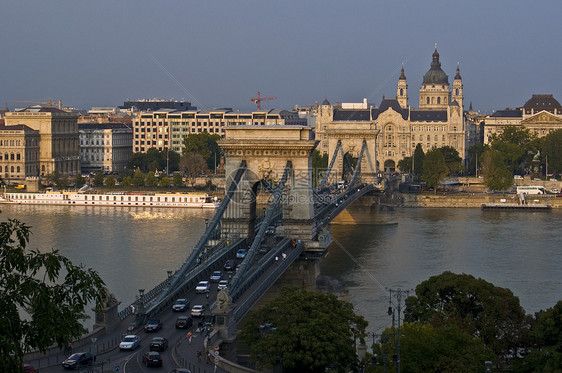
(219, 53)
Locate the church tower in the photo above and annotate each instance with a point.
(457, 88)
(435, 93)
(402, 90)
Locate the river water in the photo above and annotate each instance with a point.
(398, 249)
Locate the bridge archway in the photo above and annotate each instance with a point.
(389, 165)
(266, 150)
(351, 135)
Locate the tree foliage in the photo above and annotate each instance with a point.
(496, 174)
(151, 180)
(319, 166)
(193, 165)
(405, 164)
(110, 181)
(204, 144)
(312, 331)
(98, 179)
(434, 168)
(475, 152)
(552, 148)
(153, 160)
(79, 181)
(419, 157)
(453, 160)
(483, 310)
(517, 145)
(47, 287)
(138, 179)
(177, 180)
(426, 348)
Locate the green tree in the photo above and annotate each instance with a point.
(496, 174)
(517, 145)
(545, 354)
(453, 161)
(165, 182)
(490, 313)
(311, 332)
(476, 151)
(204, 144)
(110, 181)
(138, 179)
(177, 180)
(151, 180)
(426, 348)
(79, 181)
(319, 166)
(193, 165)
(127, 181)
(98, 179)
(419, 157)
(552, 148)
(48, 288)
(434, 168)
(405, 164)
(62, 182)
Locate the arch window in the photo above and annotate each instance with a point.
(401, 91)
(428, 100)
(438, 100)
(457, 91)
(18, 169)
(12, 169)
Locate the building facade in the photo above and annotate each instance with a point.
(105, 147)
(58, 130)
(439, 121)
(541, 114)
(19, 153)
(166, 128)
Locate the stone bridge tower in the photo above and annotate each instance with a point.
(352, 134)
(266, 150)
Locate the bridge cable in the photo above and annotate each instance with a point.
(327, 174)
(271, 212)
(358, 164)
(191, 260)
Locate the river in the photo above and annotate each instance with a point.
(398, 249)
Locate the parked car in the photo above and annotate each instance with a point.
(28, 368)
(203, 287)
(153, 325)
(197, 310)
(152, 358)
(77, 360)
(270, 230)
(223, 284)
(184, 322)
(129, 342)
(216, 276)
(229, 265)
(158, 344)
(181, 305)
(241, 254)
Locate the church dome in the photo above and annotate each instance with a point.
(435, 75)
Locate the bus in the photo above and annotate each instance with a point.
(531, 189)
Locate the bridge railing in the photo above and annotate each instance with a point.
(279, 268)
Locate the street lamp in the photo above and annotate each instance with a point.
(383, 342)
(206, 223)
(397, 293)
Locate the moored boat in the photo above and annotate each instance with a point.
(192, 200)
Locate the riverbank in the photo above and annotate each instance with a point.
(470, 200)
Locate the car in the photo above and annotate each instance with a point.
(181, 305)
(29, 368)
(184, 322)
(153, 325)
(197, 310)
(263, 249)
(518, 177)
(180, 370)
(152, 358)
(131, 327)
(203, 287)
(229, 265)
(77, 360)
(223, 284)
(129, 342)
(158, 344)
(270, 230)
(241, 254)
(216, 276)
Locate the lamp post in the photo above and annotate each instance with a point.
(397, 294)
(383, 343)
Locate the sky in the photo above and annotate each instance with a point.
(220, 53)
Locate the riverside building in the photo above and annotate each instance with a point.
(541, 114)
(58, 133)
(105, 147)
(439, 120)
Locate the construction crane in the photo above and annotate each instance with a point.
(50, 103)
(259, 99)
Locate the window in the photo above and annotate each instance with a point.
(457, 91)
(401, 92)
(438, 100)
(428, 100)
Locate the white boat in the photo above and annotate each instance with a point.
(197, 200)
